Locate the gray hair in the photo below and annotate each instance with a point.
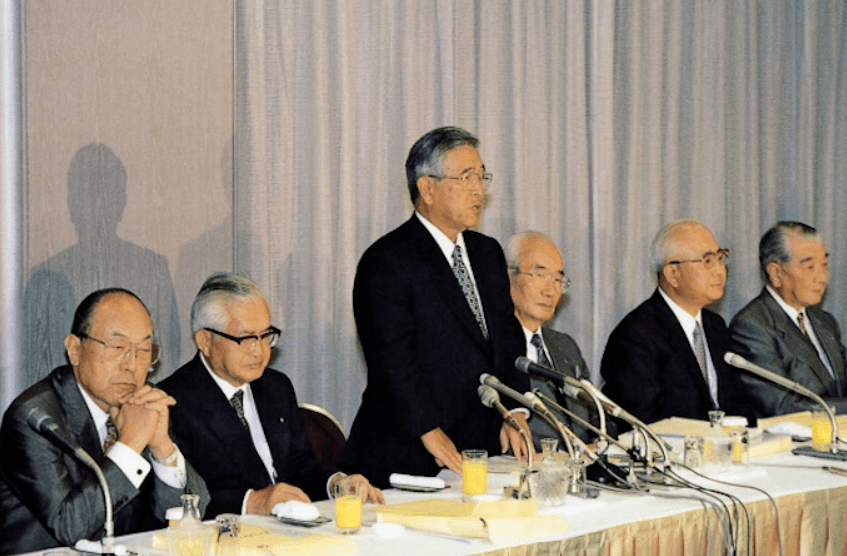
(773, 247)
(426, 157)
(666, 240)
(209, 309)
(514, 248)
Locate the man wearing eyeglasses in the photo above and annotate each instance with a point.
(101, 403)
(538, 281)
(665, 358)
(433, 313)
(785, 331)
(237, 420)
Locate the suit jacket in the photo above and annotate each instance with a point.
(763, 333)
(49, 498)
(425, 352)
(566, 358)
(212, 436)
(651, 371)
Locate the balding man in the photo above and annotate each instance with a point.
(783, 329)
(665, 358)
(538, 281)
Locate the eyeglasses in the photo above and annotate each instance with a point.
(540, 276)
(468, 180)
(147, 354)
(269, 337)
(709, 260)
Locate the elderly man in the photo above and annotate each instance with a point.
(784, 331)
(238, 420)
(101, 402)
(433, 312)
(538, 281)
(665, 358)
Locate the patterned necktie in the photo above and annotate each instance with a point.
(700, 351)
(801, 322)
(237, 402)
(468, 289)
(539, 348)
(111, 435)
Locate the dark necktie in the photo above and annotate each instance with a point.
(801, 323)
(468, 289)
(237, 402)
(111, 435)
(700, 352)
(539, 348)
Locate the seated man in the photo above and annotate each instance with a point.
(235, 418)
(49, 498)
(784, 331)
(538, 281)
(665, 358)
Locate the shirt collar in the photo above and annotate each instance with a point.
(685, 319)
(442, 240)
(789, 310)
(98, 415)
(228, 389)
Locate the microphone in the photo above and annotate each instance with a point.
(526, 366)
(490, 398)
(44, 425)
(737, 361)
(494, 382)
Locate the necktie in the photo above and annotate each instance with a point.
(468, 289)
(237, 402)
(111, 435)
(801, 323)
(539, 348)
(700, 351)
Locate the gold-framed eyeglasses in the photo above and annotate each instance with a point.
(709, 260)
(468, 180)
(268, 338)
(146, 353)
(538, 275)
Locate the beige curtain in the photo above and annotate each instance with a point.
(600, 121)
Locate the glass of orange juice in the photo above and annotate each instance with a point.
(821, 431)
(348, 506)
(474, 472)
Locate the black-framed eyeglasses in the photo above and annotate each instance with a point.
(269, 337)
(538, 275)
(709, 260)
(144, 353)
(468, 180)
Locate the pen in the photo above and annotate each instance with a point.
(837, 470)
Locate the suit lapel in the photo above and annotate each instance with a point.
(272, 414)
(799, 344)
(560, 358)
(443, 279)
(830, 345)
(80, 424)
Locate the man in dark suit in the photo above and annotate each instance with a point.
(538, 281)
(235, 418)
(783, 329)
(665, 358)
(101, 402)
(432, 307)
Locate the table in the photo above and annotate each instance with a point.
(812, 506)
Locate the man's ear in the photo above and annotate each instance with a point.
(203, 339)
(774, 274)
(670, 273)
(73, 347)
(426, 185)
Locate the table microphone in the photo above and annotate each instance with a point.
(490, 398)
(737, 361)
(44, 425)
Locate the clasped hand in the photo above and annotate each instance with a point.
(142, 421)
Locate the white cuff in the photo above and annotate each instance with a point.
(134, 466)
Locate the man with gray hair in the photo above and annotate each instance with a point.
(665, 358)
(239, 420)
(784, 330)
(538, 281)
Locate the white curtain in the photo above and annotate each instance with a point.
(600, 121)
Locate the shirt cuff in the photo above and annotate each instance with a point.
(134, 466)
(171, 470)
(523, 410)
(244, 502)
(329, 492)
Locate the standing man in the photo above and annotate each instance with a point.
(101, 403)
(235, 418)
(432, 307)
(783, 329)
(665, 358)
(538, 281)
